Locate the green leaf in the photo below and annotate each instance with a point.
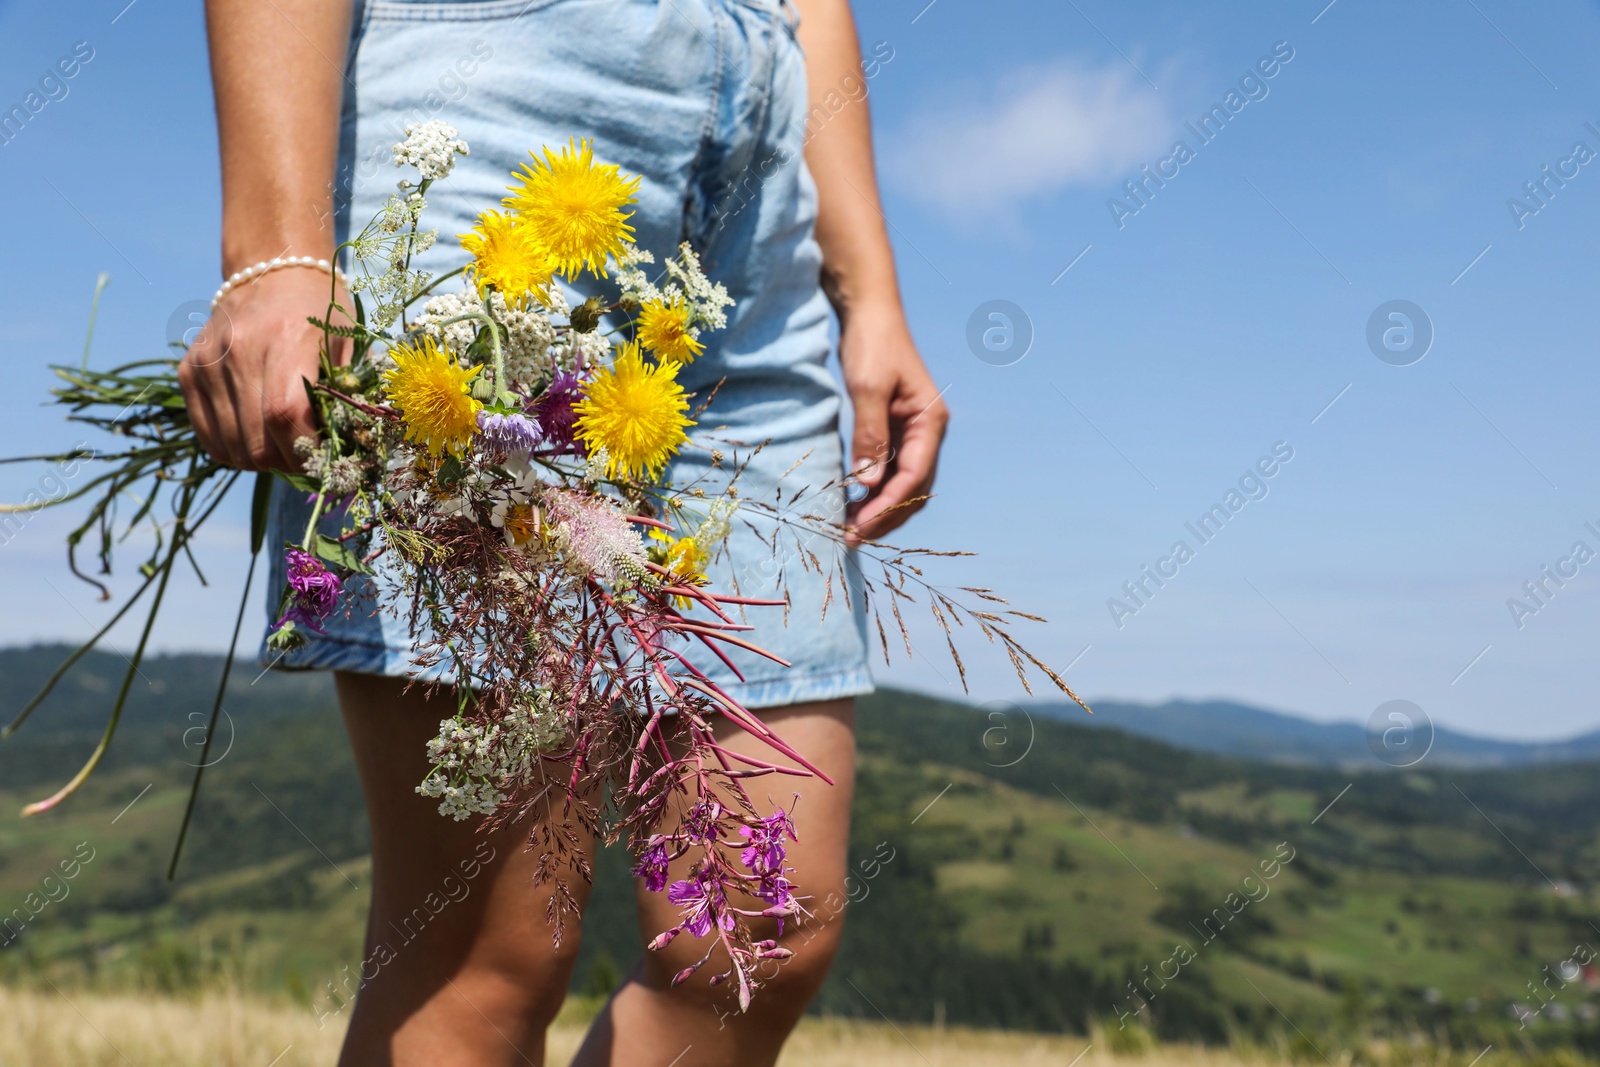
(258, 511)
(300, 482)
(451, 471)
(336, 329)
(340, 555)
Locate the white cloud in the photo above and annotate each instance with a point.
(1042, 131)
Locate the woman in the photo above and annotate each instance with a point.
(707, 100)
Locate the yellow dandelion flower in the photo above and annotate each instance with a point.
(430, 389)
(634, 411)
(574, 207)
(664, 330)
(507, 257)
(683, 558)
(687, 559)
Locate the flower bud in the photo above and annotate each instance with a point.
(684, 975)
(663, 939)
(286, 638)
(586, 316)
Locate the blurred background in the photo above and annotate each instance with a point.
(1307, 288)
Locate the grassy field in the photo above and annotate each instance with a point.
(221, 1030)
(88, 1030)
(1064, 881)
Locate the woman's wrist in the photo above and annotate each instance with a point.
(853, 300)
(246, 250)
(279, 218)
(872, 313)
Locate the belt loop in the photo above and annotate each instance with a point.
(790, 13)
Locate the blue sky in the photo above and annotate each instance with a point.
(1221, 318)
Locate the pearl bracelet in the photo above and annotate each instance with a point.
(267, 266)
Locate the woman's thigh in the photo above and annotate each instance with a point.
(459, 947)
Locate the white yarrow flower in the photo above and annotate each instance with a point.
(431, 147)
(446, 306)
(708, 298)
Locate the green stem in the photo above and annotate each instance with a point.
(211, 728)
(100, 284)
(425, 290)
(311, 527)
(502, 395)
(99, 752)
(422, 191)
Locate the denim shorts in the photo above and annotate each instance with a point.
(706, 100)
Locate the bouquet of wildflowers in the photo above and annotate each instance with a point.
(501, 452)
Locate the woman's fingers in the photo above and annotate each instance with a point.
(286, 407)
(913, 464)
(285, 412)
(201, 415)
(869, 446)
(244, 377)
(899, 423)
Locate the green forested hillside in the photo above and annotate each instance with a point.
(988, 889)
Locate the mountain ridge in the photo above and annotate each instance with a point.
(174, 697)
(1233, 728)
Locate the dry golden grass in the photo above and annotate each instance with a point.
(87, 1030)
(839, 1043)
(218, 1030)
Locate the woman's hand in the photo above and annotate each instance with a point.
(899, 420)
(244, 376)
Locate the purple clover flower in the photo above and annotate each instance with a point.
(555, 409)
(313, 591)
(652, 865)
(509, 435)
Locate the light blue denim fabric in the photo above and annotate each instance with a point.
(706, 100)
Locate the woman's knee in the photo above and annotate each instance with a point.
(521, 980)
(786, 985)
(814, 944)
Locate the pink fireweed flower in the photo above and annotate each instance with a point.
(700, 824)
(766, 851)
(777, 891)
(704, 901)
(652, 865)
(313, 591)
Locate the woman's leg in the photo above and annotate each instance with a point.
(648, 1023)
(459, 968)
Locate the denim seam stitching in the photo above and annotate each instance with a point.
(474, 11)
(707, 131)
